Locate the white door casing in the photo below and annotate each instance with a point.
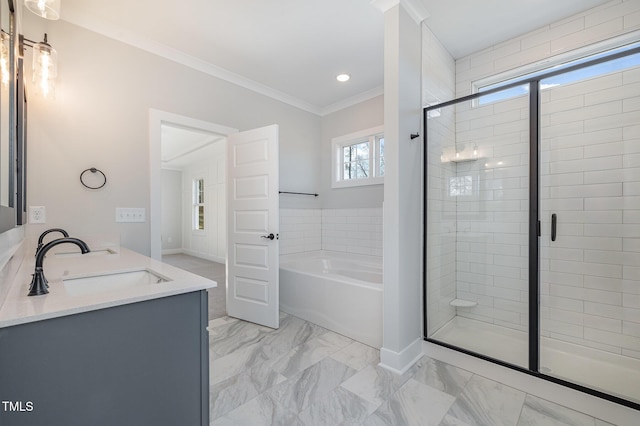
(156, 119)
(253, 216)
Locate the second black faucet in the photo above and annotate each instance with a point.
(39, 284)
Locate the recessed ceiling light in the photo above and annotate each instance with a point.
(343, 77)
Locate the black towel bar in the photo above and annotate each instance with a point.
(298, 193)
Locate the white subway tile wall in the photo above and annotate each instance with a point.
(608, 20)
(441, 221)
(590, 176)
(590, 276)
(491, 214)
(439, 70)
(300, 230)
(439, 85)
(356, 231)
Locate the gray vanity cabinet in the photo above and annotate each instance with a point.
(143, 363)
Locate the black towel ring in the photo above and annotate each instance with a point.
(93, 170)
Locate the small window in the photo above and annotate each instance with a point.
(356, 161)
(198, 204)
(380, 161)
(358, 158)
(460, 186)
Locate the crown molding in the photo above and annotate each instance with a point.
(174, 55)
(384, 5)
(415, 8)
(159, 49)
(354, 100)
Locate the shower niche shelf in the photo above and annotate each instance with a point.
(463, 160)
(460, 303)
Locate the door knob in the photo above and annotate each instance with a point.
(270, 236)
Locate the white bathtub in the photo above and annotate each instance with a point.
(338, 291)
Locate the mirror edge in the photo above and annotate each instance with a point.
(8, 214)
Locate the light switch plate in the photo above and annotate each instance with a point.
(37, 214)
(126, 214)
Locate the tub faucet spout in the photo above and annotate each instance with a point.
(39, 284)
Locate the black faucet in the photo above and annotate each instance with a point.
(39, 284)
(48, 231)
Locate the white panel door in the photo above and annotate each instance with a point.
(253, 221)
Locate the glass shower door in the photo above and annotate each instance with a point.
(477, 194)
(590, 233)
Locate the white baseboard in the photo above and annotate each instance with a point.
(204, 256)
(172, 251)
(400, 362)
(197, 254)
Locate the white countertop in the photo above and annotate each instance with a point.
(18, 308)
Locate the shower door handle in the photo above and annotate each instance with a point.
(554, 226)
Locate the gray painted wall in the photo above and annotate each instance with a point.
(349, 120)
(100, 118)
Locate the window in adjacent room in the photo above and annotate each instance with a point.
(358, 158)
(198, 204)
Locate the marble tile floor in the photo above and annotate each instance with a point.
(208, 269)
(303, 374)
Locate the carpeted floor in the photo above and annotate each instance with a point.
(205, 268)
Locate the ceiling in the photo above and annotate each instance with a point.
(182, 147)
(292, 50)
(468, 26)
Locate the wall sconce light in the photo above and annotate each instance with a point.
(45, 65)
(48, 9)
(45, 57)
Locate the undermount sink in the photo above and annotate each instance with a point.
(112, 281)
(101, 252)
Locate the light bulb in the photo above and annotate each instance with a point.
(45, 63)
(48, 9)
(44, 67)
(5, 71)
(4, 62)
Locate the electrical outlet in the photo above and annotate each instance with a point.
(37, 214)
(131, 215)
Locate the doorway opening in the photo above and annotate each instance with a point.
(188, 198)
(247, 173)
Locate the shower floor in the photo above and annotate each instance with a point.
(610, 373)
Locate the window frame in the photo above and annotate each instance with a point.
(555, 64)
(372, 136)
(198, 203)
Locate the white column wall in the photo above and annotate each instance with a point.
(402, 209)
